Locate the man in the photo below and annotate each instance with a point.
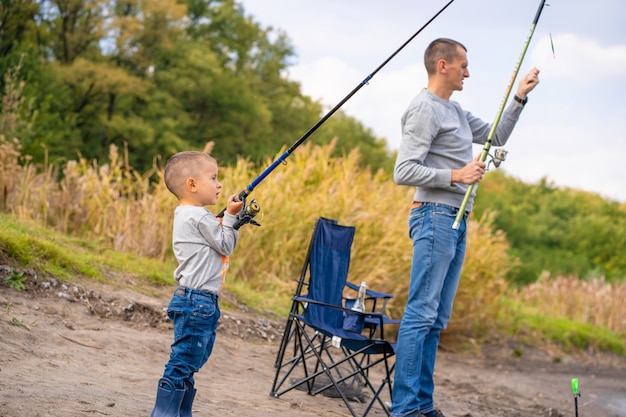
(435, 156)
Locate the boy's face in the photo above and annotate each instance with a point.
(204, 188)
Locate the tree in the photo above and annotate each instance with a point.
(156, 77)
(562, 231)
(17, 25)
(76, 28)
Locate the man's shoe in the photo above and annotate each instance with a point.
(433, 413)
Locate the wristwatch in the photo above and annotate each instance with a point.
(520, 101)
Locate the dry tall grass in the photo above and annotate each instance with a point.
(108, 202)
(596, 301)
(132, 212)
(313, 184)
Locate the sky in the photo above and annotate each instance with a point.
(573, 130)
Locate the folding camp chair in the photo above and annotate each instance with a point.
(327, 348)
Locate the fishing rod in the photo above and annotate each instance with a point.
(492, 132)
(248, 190)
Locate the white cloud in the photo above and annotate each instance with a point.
(377, 104)
(581, 59)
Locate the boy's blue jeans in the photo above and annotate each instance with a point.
(195, 314)
(438, 253)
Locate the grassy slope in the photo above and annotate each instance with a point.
(70, 259)
(25, 245)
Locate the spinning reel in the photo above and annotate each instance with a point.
(498, 157)
(247, 213)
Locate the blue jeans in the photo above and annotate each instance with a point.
(195, 314)
(438, 253)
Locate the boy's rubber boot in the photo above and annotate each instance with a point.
(185, 406)
(168, 400)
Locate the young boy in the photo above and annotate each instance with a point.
(201, 243)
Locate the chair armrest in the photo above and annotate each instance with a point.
(367, 314)
(368, 292)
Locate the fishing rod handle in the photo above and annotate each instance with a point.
(239, 197)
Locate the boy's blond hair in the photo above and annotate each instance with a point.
(182, 166)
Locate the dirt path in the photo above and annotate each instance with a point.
(71, 351)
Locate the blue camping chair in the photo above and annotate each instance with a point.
(327, 348)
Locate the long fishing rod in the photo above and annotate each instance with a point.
(249, 213)
(492, 132)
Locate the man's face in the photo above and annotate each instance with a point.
(456, 71)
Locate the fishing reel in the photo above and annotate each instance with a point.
(247, 214)
(499, 156)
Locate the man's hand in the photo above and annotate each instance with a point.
(528, 83)
(470, 173)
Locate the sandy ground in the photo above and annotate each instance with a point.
(99, 351)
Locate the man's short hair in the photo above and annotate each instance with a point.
(182, 166)
(442, 48)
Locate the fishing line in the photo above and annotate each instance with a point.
(492, 132)
(248, 190)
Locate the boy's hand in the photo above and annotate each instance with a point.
(233, 207)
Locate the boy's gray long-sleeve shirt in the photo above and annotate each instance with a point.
(199, 243)
(437, 137)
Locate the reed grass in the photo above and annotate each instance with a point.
(595, 301)
(109, 203)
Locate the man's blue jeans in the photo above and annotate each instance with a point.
(195, 314)
(438, 253)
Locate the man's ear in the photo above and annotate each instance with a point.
(442, 66)
(190, 184)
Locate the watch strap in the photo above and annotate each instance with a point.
(520, 101)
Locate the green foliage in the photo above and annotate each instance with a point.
(74, 28)
(16, 279)
(157, 77)
(563, 231)
(17, 25)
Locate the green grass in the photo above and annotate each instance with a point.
(67, 258)
(526, 323)
(266, 302)
(572, 336)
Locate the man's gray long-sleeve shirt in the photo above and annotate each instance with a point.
(437, 137)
